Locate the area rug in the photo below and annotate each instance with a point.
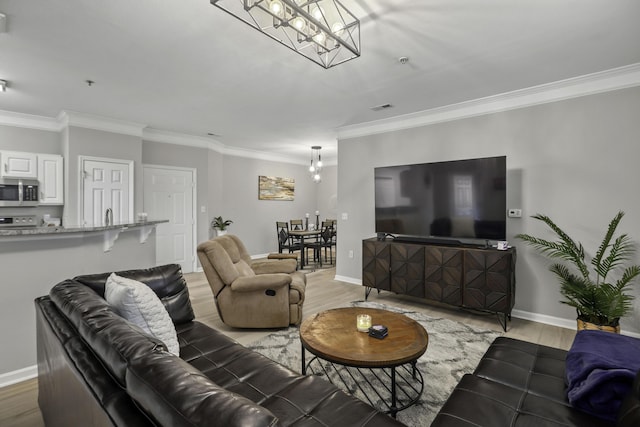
(454, 350)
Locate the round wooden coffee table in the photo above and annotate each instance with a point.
(333, 337)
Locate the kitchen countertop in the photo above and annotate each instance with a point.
(31, 231)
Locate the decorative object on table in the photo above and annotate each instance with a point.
(363, 322)
(503, 245)
(599, 301)
(275, 188)
(323, 31)
(317, 220)
(220, 225)
(316, 164)
(306, 221)
(378, 331)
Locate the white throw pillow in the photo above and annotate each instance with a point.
(137, 303)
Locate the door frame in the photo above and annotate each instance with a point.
(194, 202)
(129, 163)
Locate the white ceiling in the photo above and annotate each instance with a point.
(187, 67)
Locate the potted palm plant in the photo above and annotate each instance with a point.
(589, 286)
(220, 225)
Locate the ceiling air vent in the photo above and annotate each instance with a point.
(381, 107)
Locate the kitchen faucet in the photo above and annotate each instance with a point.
(108, 217)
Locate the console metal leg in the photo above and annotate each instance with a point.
(394, 409)
(304, 365)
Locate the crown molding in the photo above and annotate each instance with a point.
(261, 155)
(590, 84)
(29, 121)
(90, 121)
(175, 138)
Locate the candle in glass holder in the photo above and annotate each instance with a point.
(363, 322)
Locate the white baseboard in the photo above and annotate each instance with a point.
(558, 321)
(18, 376)
(348, 280)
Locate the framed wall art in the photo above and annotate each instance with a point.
(275, 188)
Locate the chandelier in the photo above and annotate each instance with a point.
(320, 30)
(316, 163)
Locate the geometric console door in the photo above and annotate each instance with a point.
(482, 279)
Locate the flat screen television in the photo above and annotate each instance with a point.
(452, 200)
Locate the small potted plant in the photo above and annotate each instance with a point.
(220, 225)
(599, 299)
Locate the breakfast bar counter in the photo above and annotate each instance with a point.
(110, 232)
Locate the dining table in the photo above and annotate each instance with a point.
(302, 234)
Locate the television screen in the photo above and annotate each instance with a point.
(462, 199)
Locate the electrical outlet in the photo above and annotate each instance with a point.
(345, 216)
(515, 213)
(351, 253)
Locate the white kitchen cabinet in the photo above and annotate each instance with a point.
(51, 179)
(17, 164)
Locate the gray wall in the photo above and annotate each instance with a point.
(29, 140)
(574, 160)
(328, 193)
(254, 221)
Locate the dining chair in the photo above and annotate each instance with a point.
(296, 224)
(285, 240)
(327, 239)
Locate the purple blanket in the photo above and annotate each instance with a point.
(601, 367)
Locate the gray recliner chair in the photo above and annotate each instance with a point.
(252, 294)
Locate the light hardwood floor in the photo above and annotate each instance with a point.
(18, 403)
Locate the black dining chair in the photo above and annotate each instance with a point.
(327, 239)
(285, 241)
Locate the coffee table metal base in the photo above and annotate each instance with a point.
(389, 390)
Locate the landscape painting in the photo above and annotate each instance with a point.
(275, 188)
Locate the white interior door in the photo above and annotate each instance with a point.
(169, 194)
(106, 184)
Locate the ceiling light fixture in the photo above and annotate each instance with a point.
(316, 163)
(323, 31)
(3, 85)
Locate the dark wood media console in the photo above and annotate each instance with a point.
(475, 278)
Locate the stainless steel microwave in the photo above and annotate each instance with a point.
(18, 192)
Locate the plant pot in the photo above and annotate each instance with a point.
(584, 325)
(221, 232)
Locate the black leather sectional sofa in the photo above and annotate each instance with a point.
(97, 369)
(519, 384)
